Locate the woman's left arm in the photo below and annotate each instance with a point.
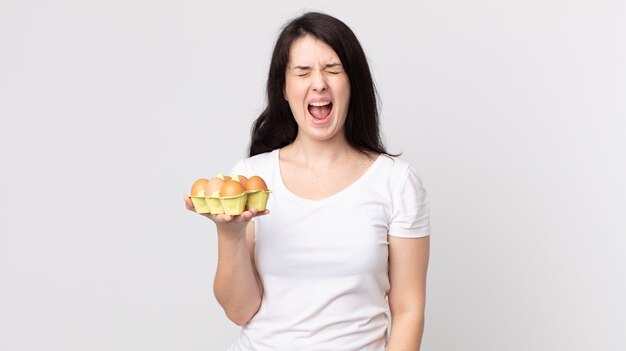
(408, 263)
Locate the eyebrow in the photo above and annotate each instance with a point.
(329, 65)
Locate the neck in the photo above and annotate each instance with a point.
(319, 153)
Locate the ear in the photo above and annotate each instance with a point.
(285, 93)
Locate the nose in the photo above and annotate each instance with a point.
(318, 82)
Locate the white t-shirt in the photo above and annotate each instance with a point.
(323, 263)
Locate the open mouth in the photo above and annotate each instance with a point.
(320, 110)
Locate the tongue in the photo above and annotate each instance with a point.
(320, 112)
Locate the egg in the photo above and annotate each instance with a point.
(239, 178)
(199, 187)
(232, 188)
(214, 185)
(223, 177)
(256, 183)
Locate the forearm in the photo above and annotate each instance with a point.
(235, 285)
(406, 331)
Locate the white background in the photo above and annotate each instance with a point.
(513, 111)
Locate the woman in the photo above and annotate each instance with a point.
(348, 237)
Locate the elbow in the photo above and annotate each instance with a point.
(240, 321)
(240, 309)
(241, 314)
(241, 318)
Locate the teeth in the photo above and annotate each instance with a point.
(321, 103)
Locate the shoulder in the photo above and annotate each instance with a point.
(410, 208)
(260, 160)
(391, 177)
(395, 169)
(256, 165)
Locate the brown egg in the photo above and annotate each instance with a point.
(232, 188)
(198, 186)
(256, 183)
(241, 179)
(213, 185)
(223, 177)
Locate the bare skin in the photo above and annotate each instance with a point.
(237, 285)
(408, 263)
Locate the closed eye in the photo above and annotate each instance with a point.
(334, 68)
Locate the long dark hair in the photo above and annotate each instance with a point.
(276, 126)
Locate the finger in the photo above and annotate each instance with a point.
(247, 215)
(188, 203)
(262, 213)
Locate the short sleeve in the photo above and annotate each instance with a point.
(410, 217)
